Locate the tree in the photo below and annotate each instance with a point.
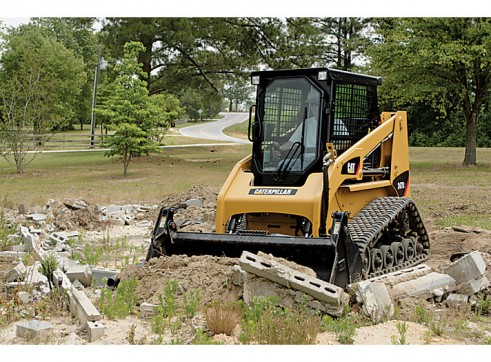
(131, 114)
(78, 35)
(442, 62)
(344, 40)
(41, 81)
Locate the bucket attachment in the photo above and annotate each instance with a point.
(333, 259)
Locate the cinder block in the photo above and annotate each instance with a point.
(238, 275)
(456, 300)
(291, 278)
(95, 330)
(83, 308)
(61, 280)
(400, 276)
(474, 286)
(376, 301)
(423, 286)
(147, 309)
(99, 275)
(129, 219)
(33, 276)
(16, 274)
(34, 329)
(467, 268)
(81, 272)
(11, 255)
(31, 240)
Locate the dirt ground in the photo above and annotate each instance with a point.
(212, 276)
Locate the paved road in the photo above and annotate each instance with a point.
(213, 130)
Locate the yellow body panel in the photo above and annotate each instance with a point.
(347, 192)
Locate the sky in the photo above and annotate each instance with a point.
(20, 10)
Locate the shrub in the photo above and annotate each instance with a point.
(265, 322)
(222, 318)
(120, 302)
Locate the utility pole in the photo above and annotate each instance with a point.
(92, 118)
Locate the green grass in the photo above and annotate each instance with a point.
(445, 192)
(96, 178)
(238, 130)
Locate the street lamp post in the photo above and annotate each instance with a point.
(92, 117)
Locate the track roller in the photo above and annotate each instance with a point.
(398, 250)
(387, 256)
(409, 249)
(377, 260)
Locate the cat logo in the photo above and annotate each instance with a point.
(351, 167)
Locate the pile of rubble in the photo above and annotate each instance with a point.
(458, 285)
(49, 232)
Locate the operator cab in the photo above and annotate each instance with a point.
(298, 111)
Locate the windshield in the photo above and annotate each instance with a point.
(290, 122)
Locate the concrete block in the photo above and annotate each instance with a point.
(75, 204)
(99, 275)
(34, 330)
(467, 268)
(401, 275)
(33, 276)
(129, 219)
(95, 330)
(58, 237)
(6, 256)
(474, 286)
(82, 307)
(76, 284)
(291, 278)
(259, 287)
(81, 272)
(238, 275)
(456, 300)
(24, 297)
(37, 217)
(144, 224)
(194, 202)
(31, 240)
(65, 263)
(16, 274)
(423, 286)
(61, 280)
(148, 309)
(376, 301)
(21, 248)
(111, 209)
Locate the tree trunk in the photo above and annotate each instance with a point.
(471, 141)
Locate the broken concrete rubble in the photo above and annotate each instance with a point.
(82, 273)
(469, 273)
(271, 269)
(423, 286)
(34, 330)
(377, 303)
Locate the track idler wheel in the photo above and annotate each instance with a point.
(409, 249)
(377, 261)
(387, 256)
(398, 250)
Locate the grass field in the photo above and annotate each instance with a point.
(444, 191)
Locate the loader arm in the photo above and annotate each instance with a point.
(351, 185)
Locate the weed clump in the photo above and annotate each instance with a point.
(266, 322)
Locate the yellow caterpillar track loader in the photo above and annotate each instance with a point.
(326, 185)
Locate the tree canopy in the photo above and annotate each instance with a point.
(442, 63)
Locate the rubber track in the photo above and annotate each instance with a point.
(374, 219)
